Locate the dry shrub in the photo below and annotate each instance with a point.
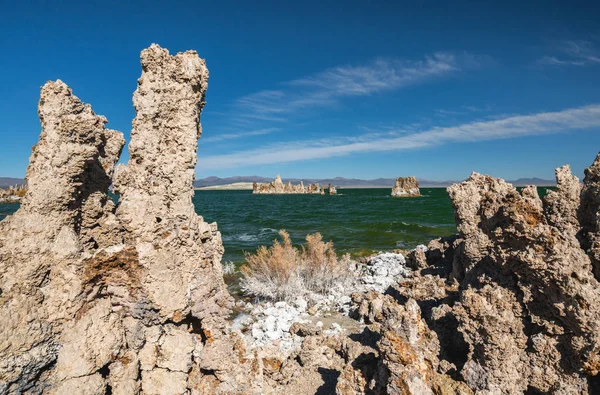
(283, 272)
(21, 192)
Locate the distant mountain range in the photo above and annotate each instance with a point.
(342, 182)
(6, 182)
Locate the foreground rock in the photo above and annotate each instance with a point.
(99, 299)
(406, 187)
(278, 187)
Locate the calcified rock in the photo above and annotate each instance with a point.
(332, 190)
(278, 187)
(589, 214)
(156, 187)
(406, 187)
(131, 300)
(42, 244)
(524, 270)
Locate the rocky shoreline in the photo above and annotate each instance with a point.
(12, 194)
(129, 298)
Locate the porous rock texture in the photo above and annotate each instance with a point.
(98, 298)
(406, 187)
(589, 214)
(42, 244)
(129, 298)
(522, 267)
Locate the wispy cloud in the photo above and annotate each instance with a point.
(235, 136)
(327, 88)
(509, 127)
(464, 110)
(574, 53)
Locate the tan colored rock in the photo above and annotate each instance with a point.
(560, 206)
(92, 385)
(107, 294)
(589, 214)
(162, 381)
(406, 187)
(41, 244)
(513, 247)
(124, 373)
(156, 189)
(90, 343)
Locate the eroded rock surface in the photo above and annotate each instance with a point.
(406, 187)
(99, 298)
(589, 214)
(42, 244)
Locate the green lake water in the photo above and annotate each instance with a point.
(358, 221)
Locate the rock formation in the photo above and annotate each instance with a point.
(43, 277)
(406, 187)
(588, 214)
(100, 298)
(332, 190)
(520, 262)
(278, 187)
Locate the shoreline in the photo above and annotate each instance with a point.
(234, 187)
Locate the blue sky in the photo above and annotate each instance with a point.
(309, 89)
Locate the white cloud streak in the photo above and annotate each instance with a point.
(235, 136)
(577, 53)
(510, 127)
(327, 88)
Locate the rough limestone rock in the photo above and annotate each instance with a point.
(277, 187)
(41, 248)
(332, 190)
(589, 214)
(527, 281)
(98, 298)
(406, 187)
(383, 270)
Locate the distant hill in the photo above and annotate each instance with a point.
(342, 182)
(6, 182)
(521, 182)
